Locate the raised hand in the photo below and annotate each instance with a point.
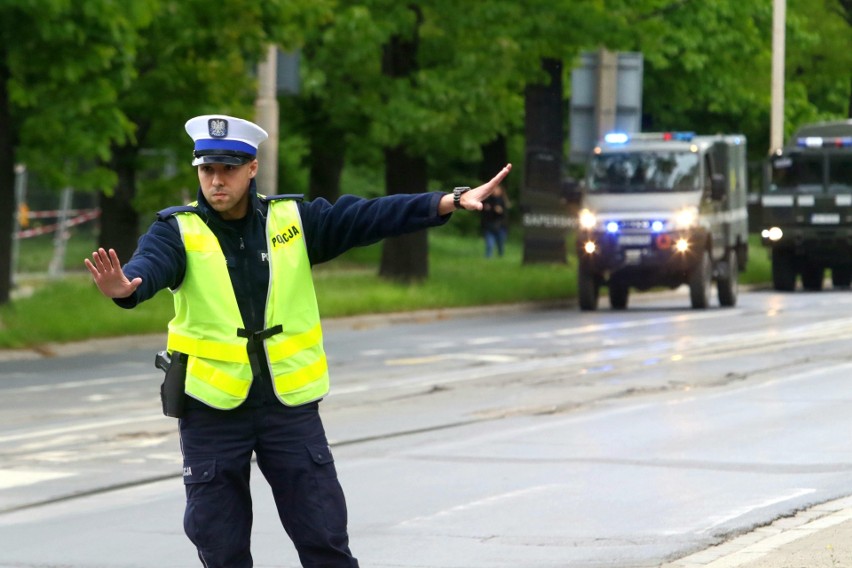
(108, 275)
(472, 200)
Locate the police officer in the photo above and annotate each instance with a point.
(247, 330)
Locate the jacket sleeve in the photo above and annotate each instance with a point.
(331, 230)
(159, 259)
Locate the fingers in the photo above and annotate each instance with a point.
(99, 260)
(501, 174)
(91, 267)
(108, 275)
(103, 261)
(113, 257)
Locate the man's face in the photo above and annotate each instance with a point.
(226, 187)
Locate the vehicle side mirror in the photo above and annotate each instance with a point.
(718, 187)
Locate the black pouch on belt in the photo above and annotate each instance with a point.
(172, 389)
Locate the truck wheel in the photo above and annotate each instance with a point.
(618, 294)
(783, 271)
(588, 288)
(699, 282)
(841, 276)
(728, 284)
(812, 277)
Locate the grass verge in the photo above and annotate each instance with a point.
(72, 309)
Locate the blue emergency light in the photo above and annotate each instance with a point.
(623, 138)
(822, 142)
(616, 138)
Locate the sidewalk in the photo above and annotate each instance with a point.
(819, 537)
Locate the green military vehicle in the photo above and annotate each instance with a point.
(663, 209)
(806, 207)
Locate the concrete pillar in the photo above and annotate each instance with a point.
(266, 111)
(776, 130)
(607, 91)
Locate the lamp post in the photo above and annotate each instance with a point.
(266, 110)
(776, 130)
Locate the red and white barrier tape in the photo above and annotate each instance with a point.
(83, 215)
(56, 213)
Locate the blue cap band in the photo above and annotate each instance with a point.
(221, 144)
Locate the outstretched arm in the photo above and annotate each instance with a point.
(108, 275)
(472, 200)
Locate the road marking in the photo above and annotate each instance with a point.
(79, 428)
(425, 360)
(9, 479)
(480, 502)
(80, 384)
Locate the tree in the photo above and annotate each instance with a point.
(406, 257)
(708, 64)
(818, 62)
(61, 67)
(426, 86)
(844, 9)
(194, 58)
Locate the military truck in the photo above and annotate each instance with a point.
(663, 210)
(806, 207)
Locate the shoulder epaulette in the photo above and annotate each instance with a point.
(295, 196)
(169, 211)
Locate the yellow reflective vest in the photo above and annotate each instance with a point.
(208, 326)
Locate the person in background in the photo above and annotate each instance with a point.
(495, 221)
(247, 341)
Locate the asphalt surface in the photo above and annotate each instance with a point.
(820, 536)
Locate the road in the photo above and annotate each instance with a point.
(508, 437)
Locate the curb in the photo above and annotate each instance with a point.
(157, 341)
(797, 540)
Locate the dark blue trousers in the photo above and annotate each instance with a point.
(294, 457)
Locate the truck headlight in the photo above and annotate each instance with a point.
(588, 221)
(773, 234)
(686, 218)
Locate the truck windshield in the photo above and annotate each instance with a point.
(797, 172)
(644, 172)
(840, 173)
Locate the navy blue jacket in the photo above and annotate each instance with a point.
(329, 230)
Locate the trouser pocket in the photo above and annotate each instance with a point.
(218, 515)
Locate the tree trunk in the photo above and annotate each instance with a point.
(494, 157)
(405, 258)
(7, 185)
(327, 155)
(119, 220)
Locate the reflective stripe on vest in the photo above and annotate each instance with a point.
(207, 316)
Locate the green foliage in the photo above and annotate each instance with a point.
(67, 62)
(73, 309)
(36, 253)
(759, 269)
(818, 62)
(89, 77)
(708, 64)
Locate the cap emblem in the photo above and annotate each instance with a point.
(217, 127)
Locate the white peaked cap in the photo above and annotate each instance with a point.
(224, 139)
